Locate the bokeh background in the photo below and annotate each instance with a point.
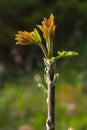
(21, 67)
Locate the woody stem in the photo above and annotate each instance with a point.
(50, 123)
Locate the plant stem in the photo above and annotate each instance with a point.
(43, 50)
(50, 123)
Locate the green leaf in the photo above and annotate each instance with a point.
(67, 53)
(64, 54)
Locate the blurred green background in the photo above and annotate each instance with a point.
(21, 67)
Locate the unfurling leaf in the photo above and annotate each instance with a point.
(67, 53)
(28, 38)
